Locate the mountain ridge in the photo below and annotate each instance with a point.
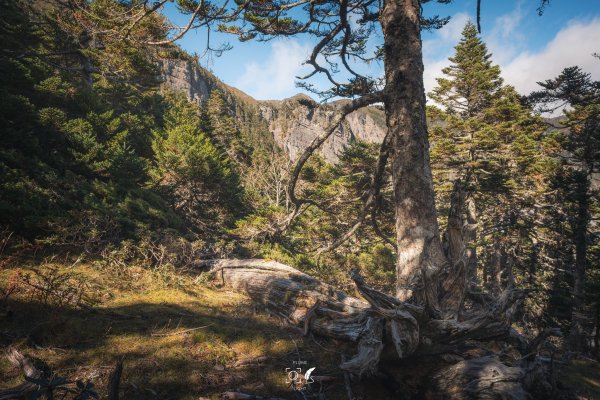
(293, 122)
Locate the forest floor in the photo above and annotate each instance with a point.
(178, 336)
(584, 376)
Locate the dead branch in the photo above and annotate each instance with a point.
(250, 361)
(181, 332)
(114, 380)
(30, 371)
(374, 190)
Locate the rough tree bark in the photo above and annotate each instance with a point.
(419, 246)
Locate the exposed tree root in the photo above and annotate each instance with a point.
(383, 320)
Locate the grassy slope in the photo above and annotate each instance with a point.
(133, 305)
(138, 315)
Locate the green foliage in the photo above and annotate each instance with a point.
(339, 190)
(575, 149)
(81, 165)
(190, 169)
(489, 139)
(95, 157)
(472, 81)
(221, 125)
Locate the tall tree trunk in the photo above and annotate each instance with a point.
(419, 247)
(455, 247)
(470, 240)
(580, 238)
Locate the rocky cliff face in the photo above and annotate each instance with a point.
(184, 76)
(292, 122)
(296, 121)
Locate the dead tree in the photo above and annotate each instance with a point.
(381, 320)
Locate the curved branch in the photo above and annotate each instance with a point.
(184, 30)
(378, 230)
(207, 19)
(374, 191)
(345, 110)
(315, 53)
(143, 15)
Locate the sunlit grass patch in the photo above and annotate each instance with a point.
(177, 341)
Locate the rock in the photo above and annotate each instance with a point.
(296, 121)
(293, 123)
(183, 76)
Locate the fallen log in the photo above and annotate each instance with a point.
(323, 310)
(380, 320)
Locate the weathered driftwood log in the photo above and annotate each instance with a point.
(30, 371)
(381, 319)
(305, 301)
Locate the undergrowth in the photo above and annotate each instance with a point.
(179, 337)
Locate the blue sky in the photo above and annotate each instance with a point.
(528, 48)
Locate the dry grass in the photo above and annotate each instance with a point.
(138, 315)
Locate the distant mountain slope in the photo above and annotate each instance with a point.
(293, 123)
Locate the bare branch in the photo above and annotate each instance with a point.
(143, 15)
(345, 110)
(207, 19)
(374, 191)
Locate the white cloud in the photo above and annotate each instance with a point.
(572, 45)
(445, 38)
(505, 40)
(275, 77)
(433, 70)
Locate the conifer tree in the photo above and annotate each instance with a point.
(484, 142)
(472, 81)
(224, 128)
(192, 170)
(578, 149)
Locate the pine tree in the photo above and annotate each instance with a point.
(578, 150)
(192, 170)
(472, 80)
(224, 128)
(485, 142)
